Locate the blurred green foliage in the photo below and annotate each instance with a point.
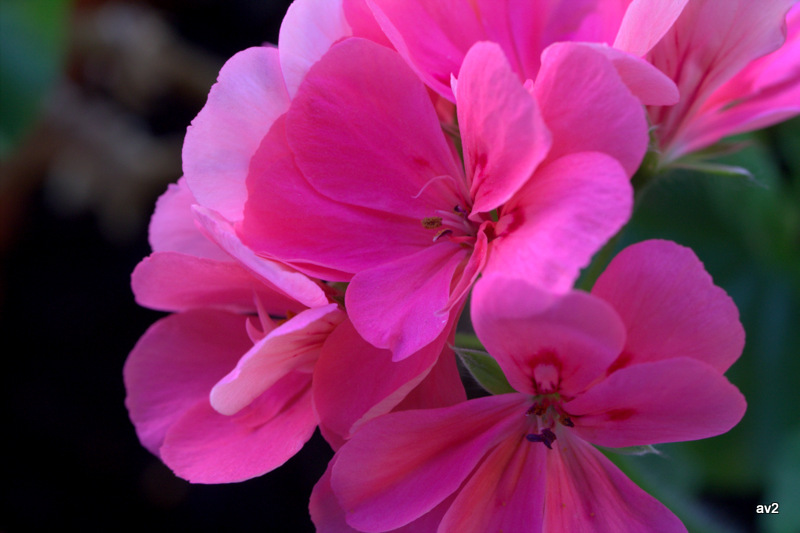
(32, 49)
(747, 233)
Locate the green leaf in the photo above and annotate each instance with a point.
(485, 370)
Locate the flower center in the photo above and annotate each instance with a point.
(453, 225)
(546, 410)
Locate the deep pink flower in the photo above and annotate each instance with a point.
(639, 361)
(358, 182)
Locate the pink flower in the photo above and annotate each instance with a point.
(639, 361)
(358, 183)
(735, 68)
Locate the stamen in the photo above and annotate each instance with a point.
(441, 233)
(431, 222)
(546, 437)
(567, 421)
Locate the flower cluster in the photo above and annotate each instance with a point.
(345, 193)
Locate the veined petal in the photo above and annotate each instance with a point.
(292, 346)
(308, 30)
(522, 327)
(204, 446)
(505, 493)
(645, 23)
(502, 132)
(665, 401)
(247, 98)
(559, 219)
(404, 305)
(387, 475)
(586, 492)
(174, 365)
(670, 306)
(587, 106)
(370, 140)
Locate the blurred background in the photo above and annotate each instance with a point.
(95, 97)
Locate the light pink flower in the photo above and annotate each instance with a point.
(357, 182)
(222, 390)
(637, 362)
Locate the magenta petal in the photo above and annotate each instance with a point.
(308, 30)
(645, 23)
(586, 492)
(559, 219)
(666, 401)
(173, 228)
(248, 97)
(170, 281)
(355, 381)
(204, 446)
(274, 274)
(292, 346)
(505, 493)
(587, 107)
(174, 365)
(670, 306)
(387, 475)
(387, 148)
(502, 132)
(404, 305)
(523, 327)
(442, 387)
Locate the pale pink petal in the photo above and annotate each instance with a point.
(204, 446)
(586, 492)
(561, 217)
(293, 346)
(709, 43)
(247, 98)
(665, 401)
(308, 30)
(169, 281)
(173, 228)
(645, 23)
(670, 306)
(404, 305)
(523, 327)
(588, 107)
(274, 274)
(399, 466)
(432, 37)
(502, 132)
(287, 219)
(355, 381)
(389, 144)
(174, 365)
(505, 493)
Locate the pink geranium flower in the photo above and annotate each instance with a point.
(731, 59)
(358, 182)
(639, 361)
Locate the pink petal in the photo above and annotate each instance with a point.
(586, 492)
(286, 218)
(670, 306)
(523, 327)
(308, 30)
(387, 476)
(275, 275)
(710, 42)
(173, 228)
(292, 346)
(560, 218)
(174, 365)
(387, 148)
(404, 305)
(502, 132)
(363, 23)
(587, 107)
(442, 387)
(355, 381)
(204, 446)
(665, 401)
(169, 281)
(645, 23)
(247, 98)
(506, 492)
